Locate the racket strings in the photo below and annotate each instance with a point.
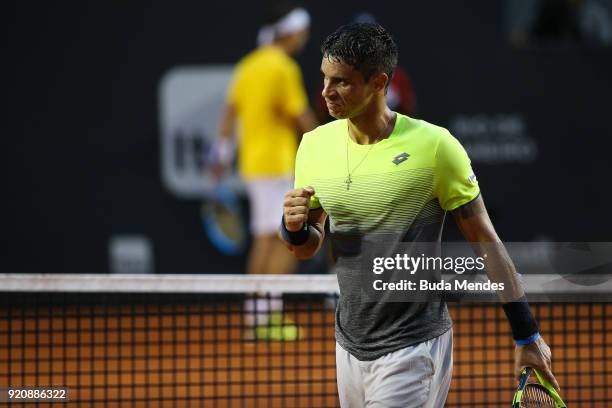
(536, 396)
(227, 221)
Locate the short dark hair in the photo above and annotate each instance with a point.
(367, 47)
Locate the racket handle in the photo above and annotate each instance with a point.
(525, 374)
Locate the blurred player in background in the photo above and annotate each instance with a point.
(267, 105)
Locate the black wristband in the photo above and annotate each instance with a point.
(294, 237)
(521, 320)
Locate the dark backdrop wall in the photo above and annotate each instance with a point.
(82, 162)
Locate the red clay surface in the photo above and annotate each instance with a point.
(194, 356)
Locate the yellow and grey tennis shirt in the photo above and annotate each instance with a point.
(401, 187)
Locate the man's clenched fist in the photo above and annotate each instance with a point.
(295, 208)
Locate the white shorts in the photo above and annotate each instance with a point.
(414, 377)
(266, 203)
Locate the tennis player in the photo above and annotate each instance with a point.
(374, 171)
(268, 103)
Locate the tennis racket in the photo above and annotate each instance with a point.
(536, 395)
(224, 221)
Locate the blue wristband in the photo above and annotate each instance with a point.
(528, 340)
(294, 237)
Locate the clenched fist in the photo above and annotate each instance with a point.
(295, 208)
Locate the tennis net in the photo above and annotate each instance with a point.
(186, 341)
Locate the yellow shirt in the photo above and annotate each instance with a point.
(268, 93)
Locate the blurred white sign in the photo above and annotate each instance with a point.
(495, 139)
(190, 104)
(131, 254)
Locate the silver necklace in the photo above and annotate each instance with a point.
(349, 180)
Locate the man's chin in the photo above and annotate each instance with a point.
(336, 114)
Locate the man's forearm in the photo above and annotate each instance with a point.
(475, 224)
(226, 126)
(500, 269)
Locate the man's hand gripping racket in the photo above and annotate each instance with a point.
(535, 358)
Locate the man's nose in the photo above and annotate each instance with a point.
(327, 91)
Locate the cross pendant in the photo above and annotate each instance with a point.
(348, 182)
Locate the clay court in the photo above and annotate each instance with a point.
(188, 354)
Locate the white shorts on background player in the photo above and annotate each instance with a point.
(266, 203)
(413, 377)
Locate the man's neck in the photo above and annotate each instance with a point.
(372, 125)
(283, 45)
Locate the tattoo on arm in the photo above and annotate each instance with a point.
(474, 207)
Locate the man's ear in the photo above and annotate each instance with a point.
(380, 81)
